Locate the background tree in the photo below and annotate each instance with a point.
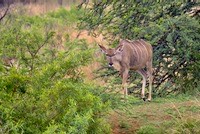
(167, 25)
(60, 2)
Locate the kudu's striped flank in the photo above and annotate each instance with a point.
(132, 55)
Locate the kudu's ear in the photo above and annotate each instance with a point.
(119, 48)
(103, 49)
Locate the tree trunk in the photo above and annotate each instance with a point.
(1, 2)
(60, 2)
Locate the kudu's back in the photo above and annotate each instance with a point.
(136, 54)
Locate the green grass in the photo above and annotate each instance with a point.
(148, 129)
(173, 114)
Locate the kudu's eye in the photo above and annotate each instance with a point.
(110, 55)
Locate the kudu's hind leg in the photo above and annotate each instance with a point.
(149, 72)
(143, 73)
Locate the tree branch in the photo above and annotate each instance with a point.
(1, 18)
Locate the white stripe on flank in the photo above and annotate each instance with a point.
(148, 48)
(140, 55)
(133, 45)
(146, 54)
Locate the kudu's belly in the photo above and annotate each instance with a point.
(137, 63)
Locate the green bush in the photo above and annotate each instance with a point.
(46, 92)
(69, 106)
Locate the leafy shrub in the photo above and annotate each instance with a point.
(46, 93)
(68, 105)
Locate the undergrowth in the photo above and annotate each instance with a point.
(43, 90)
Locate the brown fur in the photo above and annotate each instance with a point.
(131, 55)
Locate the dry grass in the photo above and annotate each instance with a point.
(37, 8)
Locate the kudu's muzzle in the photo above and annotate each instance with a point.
(110, 64)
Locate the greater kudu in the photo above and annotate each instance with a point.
(9, 62)
(132, 55)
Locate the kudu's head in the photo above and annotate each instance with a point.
(9, 61)
(113, 55)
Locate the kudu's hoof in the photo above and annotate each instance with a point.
(148, 100)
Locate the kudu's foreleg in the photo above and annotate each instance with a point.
(144, 76)
(124, 82)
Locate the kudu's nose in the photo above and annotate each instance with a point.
(110, 64)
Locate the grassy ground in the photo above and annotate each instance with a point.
(177, 114)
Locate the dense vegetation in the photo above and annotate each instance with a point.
(42, 89)
(172, 27)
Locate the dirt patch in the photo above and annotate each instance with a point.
(120, 124)
(114, 123)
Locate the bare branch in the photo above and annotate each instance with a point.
(5, 12)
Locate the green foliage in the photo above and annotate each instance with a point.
(14, 81)
(167, 25)
(67, 105)
(46, 92)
